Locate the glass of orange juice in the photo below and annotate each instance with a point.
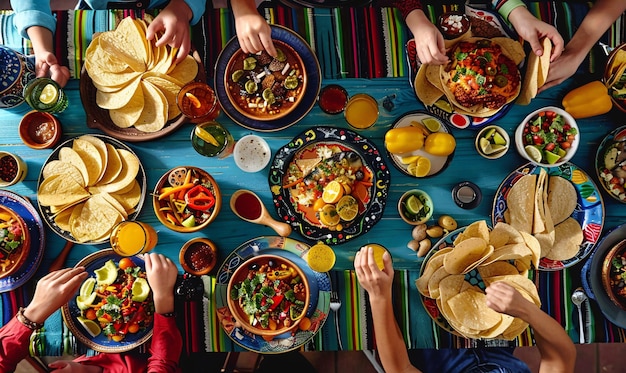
(379, 250)
(361, 111)
(132, 238)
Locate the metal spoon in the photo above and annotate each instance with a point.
(578, 297)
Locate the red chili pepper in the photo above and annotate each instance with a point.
(277, 299)
(199, 198)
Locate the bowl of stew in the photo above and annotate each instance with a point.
(263, 87)
(268, 295)
(614, 273)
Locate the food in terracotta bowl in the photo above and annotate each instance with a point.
(614, 274)
(186, 199)
(263, 87)
(454, 25)
(14, 241)
(615, 76)
(198, 256)
(39, 130)
(269, 295)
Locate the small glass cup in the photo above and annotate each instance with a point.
(333, 99)
(361, 111)
(44, 94)
(211, 139)
(130, 238)
(198, 102)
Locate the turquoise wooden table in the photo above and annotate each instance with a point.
(228, 231)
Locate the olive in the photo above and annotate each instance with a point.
(253, 266)
(501, 81)
(359, 175)
(490, 70)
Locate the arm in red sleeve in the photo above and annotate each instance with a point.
(166, 346)
(404, 6)
(14, 339)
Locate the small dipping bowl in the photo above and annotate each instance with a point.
(198, 256)
(252, 153)
(12, 169)
(40, 130)
(412, 212)
(492, 142)
(333, 99)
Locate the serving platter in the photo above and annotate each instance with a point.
(613, 141)
(349, 142)
(70, 310)
(438, 162)
(49, 216)
(28, 213)
(589, 211)
(314, 82)
(317, 312)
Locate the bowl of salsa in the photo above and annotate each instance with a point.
(198, 256)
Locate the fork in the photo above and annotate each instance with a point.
(335, 304)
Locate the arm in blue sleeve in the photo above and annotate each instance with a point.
(197, 8)
(30, 13)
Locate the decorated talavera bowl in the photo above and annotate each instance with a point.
(16, 71)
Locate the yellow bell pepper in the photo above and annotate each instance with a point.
(404, 139)
(588, 100)
(440, 143)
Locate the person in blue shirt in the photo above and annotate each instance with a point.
(34, 20)
(557, 350)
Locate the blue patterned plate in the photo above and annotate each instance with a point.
(70, 310)
(314, 83)
(589, 211)
(26, 211)
(319, 304)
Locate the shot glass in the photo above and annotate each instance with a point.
(212, 139)
(44, 94)
(130, 238)
(198, 102)
(361, 111)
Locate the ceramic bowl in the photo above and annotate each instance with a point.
(198, 256)
(174, 211)
(17, 227)
(523, 130)
(278, 267)
(415, 213)
(608, 74)
(39, 130)
(252, 104)
(252, 153)
(12, 169)
(17, 70)
(492, 142)
(612, 281)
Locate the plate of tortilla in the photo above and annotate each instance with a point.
(560, 206)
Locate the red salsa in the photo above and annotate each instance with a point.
(333, 99)
(247, 205)
(199, 256)
(8, 168)
(453, 25)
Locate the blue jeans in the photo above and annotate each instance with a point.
(492, 360)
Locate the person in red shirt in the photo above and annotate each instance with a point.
(56, 288)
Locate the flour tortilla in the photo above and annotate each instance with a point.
(425, 90)
(562, 198)
(567, 240)
(520, 203)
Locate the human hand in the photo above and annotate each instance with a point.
(46, 64)
(70, 366)
(52, 291)
(161, 273)
(254, 34)
(532, 30)
(561, 69)
(429, 42)
(503, 298)
(377, 283)
(174, 21)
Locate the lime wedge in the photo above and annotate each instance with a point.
(140, 290)
(87, 287)
(489, 133)
(495, 148)
(485, 145)
(49, 94)
(85, 302)
(414, 205)
(432, 124)
(551, 157)
(498, 139)
(189, 222)
(533, 153)
(91, 326)
(106, 274)
(207, 137)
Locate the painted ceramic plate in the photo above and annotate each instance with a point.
(612, 150)
(48, 216)
(589, 211)
(318, 310)
(70, 310)
(33, 221)
(314, 82)
(370, 192)
(612, 312)
(438, 163)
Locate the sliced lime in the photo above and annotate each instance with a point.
(414, 205)
(189, 222)
(87, 287)
(432, 124)
(485, 145)
(533, 153)
(495, 148)
(49, 94)
(86, 302)
(498, 139)
(489, 133)
(91, 326)
(551, 157)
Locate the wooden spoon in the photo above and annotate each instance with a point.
(249, 207)
(59, 262)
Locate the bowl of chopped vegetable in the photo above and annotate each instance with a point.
(613, 273)
(268, 295)
(547, 137)
(14, 241)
